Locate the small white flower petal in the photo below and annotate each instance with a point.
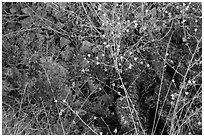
(115, 131)
(64, 101)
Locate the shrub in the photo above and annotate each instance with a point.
(101, 68)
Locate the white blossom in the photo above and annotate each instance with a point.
(172, 96)
(195, 29)
(94, 117)
(186, 93)
(115, 131)
(55, 101)
(83, 70)
(61, 110)
(130, 66)
(97, 63)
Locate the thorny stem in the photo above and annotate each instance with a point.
(158, 98)
(181, 89)
(127, 97)
(80, 118)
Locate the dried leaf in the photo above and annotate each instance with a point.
(67, 90)
(92, 87)
(86, 46)
(13, 10)
(26, 11)
(143, 28)
(64, 42)
(67, 54)
(97, 48)
(81, 112)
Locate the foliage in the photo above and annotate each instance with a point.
(101, 68)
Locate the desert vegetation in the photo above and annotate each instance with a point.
(81, 68)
